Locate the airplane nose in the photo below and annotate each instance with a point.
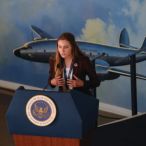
(17, 51)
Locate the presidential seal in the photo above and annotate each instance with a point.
(41, 110)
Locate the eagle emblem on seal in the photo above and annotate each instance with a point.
(41, 111)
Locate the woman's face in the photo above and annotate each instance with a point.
(64, 49)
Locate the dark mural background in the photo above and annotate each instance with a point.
(90, 20)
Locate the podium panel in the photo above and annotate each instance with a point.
(25, 140)
(73, 115)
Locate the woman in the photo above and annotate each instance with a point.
(70, 67)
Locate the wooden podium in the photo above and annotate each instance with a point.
(74, 122)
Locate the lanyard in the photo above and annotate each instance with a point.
(69, 74)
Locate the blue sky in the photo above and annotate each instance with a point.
(90, 20)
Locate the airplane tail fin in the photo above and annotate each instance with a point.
(124, 42)
(144, 43)
(143, 47)
(124, 38)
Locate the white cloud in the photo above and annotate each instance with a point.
(97, 31)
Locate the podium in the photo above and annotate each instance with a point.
(50, 118)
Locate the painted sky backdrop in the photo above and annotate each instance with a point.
(90, 20)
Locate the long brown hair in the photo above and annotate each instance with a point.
(76, 52)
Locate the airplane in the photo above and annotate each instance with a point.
(42, 48)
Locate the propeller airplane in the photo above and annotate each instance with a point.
(105, 57)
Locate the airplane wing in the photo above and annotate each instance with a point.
(42, 34)
(109, 73)
(126, 73)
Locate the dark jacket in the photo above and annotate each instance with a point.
(82, 67)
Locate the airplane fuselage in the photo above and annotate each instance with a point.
(41, 50)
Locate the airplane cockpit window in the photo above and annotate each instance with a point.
(28, 46)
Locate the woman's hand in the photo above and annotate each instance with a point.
(58, 81)
(75, 83)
